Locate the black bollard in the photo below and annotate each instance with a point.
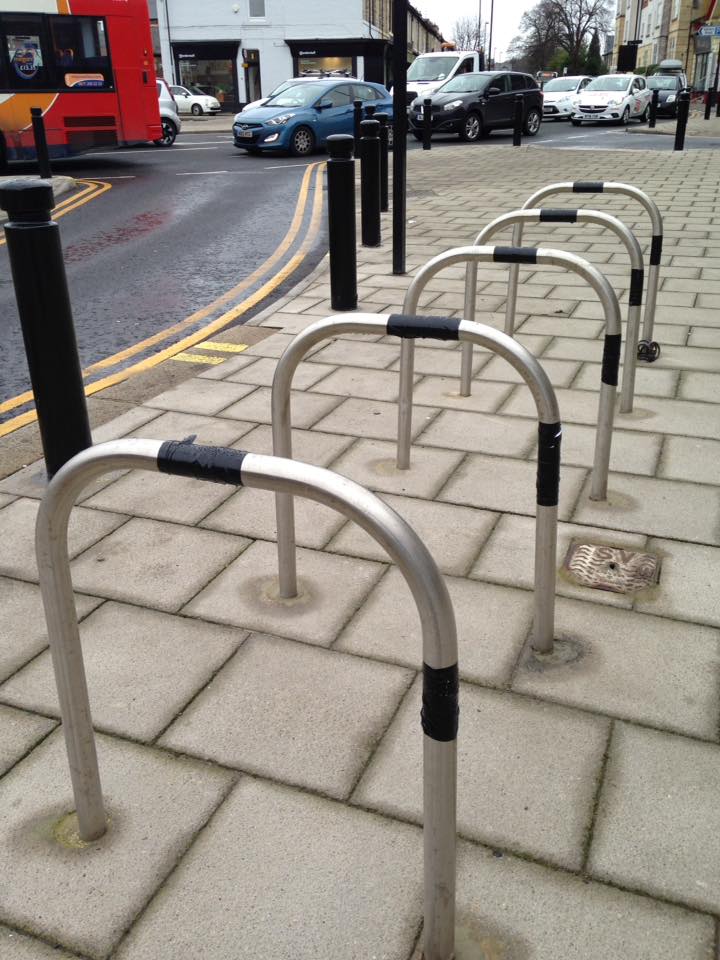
(370, 111)
(653, 108)
(370, 182)
(518, 120)
(341, 222)
(38, 272)
(384, 120)
(427, 124)
(41, 147)
(682, 119)
(717, 106)
(357, 119)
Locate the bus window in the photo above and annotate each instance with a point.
(80, 50)
(25, 51)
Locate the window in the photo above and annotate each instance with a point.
(518, 82)
(340, 96)
(26, 50)
(466, 66)
(256, 9)
(80, 53)
(363, 92)
(502, 82)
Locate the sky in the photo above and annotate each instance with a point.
(507, 17)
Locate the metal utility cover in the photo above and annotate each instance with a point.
(618, 570)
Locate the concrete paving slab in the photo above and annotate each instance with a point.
(292, 712)
(372, 463)
(159, 565)
(18, 523)
(687, 458)
(658, 672)
(658, 820)
(222, 371)
(262, 371)
(699, 386)
(124, 425)
(688, 583)
(481, 433)
(331, 588)
(487, 396)
(508, 557)
(498, 483)
(665, 508)
(268, 906)
(306, 408)
(142, 668)
(527, 772)
(358, 353)
(19, 732)
(452, 534)
(59, 887)
(493, 623)
(704, 337)
(361, 382)
(16, 946)
(214, 431)
(649, 381)
(374, 419)
(205, 397)
(511, 908)
(561, 372)
(562, 327)
(22, 623)
(630, 452)
(310, 446)
(442, 363)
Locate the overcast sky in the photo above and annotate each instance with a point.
(507, 17)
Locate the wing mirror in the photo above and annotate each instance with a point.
(323, 105)
(493, 91)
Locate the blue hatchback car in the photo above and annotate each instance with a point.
(301, 118)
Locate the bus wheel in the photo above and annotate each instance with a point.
(169, 134)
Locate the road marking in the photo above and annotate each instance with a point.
(284, 166)
(224, 320)
(93, 189)
(197, 358)
(204, 173)
(115, 153)
(223, 347)
(126, 177)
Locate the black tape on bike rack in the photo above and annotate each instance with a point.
(637, 277)
(217, 464)
(656, 250)
(611, 359)
(558, 215)
(588, 186)
(515, 255)
(440, 710)
(411, 328)
(548, 471)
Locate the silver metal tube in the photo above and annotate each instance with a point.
(651, 301)
(440, 767)
(469, 309)
(545, 578)
(512, 285)
(601, 463)
(632, 338)
(405, 403)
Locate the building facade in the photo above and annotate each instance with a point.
(241, 51)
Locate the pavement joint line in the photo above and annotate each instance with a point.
(590, 830)
(45, 941)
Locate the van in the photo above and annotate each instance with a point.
(430, 71)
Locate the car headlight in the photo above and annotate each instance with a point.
(453, 105)
(279, 121)
(614, 103)
(671, 98)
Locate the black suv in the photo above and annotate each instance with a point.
(473, 103)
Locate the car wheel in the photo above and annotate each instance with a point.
(645, 115)
(302, 142)
(418, 136)
(169, 134)
(625, 118)
(471, 130)
(532, 123)
(196, 110)
(575, 123)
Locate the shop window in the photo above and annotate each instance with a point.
(325, 66)
(26, 52)
(256, 9)
(80, 53)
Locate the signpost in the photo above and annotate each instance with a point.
(709, 31)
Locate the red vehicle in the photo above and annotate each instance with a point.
(88, 64)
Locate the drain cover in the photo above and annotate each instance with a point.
(600, 567)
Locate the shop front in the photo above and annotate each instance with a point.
(213, 67)
(340, 58)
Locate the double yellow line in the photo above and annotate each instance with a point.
(314, 171)
(90, 190)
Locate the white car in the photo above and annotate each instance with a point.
(614, 98)
(195, 101)
(560, 95)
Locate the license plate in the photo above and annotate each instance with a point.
(245, 134)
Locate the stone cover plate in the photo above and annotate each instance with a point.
(615, 569)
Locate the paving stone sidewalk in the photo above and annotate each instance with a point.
(262, 759)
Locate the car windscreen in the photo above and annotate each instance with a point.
(662, 83)
(616, 84)
(301, 95)
(560, 84)
(197, 92)
(464, 83)
(431, 68)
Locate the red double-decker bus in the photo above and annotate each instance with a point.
(87, 63)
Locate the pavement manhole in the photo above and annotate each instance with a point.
(601, 567)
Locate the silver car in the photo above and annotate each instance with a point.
(169, 116)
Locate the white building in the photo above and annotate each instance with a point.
(241, 50)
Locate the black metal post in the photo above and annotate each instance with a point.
(399, 25)
(682, 119)
(41, 147)
(384, 120)
(427, 124)
(370, 111)
(357, 119)
(518, 120)
(653, 108)
(341, 222)
(370, 183)
(38, 272)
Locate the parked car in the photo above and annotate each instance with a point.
(613, 98)
(195, 101)
(169, 117)
(673, 68)
(282, 88)
(668, 88)
(472, 104)
(301, 118)
(560, 96)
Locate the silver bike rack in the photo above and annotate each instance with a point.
(565, 216)
(437, 328)
(440, 669)
(648, 349)
(530, 256)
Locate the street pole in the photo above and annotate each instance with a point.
(491, 62)
(400, 13)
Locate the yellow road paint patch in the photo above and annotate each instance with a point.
(197, 358)
(223, 347)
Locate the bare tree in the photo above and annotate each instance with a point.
(578, 20)
(539, 38)
(467, 34)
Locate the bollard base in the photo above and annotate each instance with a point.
(481, 941)
(66, 833)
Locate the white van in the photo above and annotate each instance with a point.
(430, 71)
